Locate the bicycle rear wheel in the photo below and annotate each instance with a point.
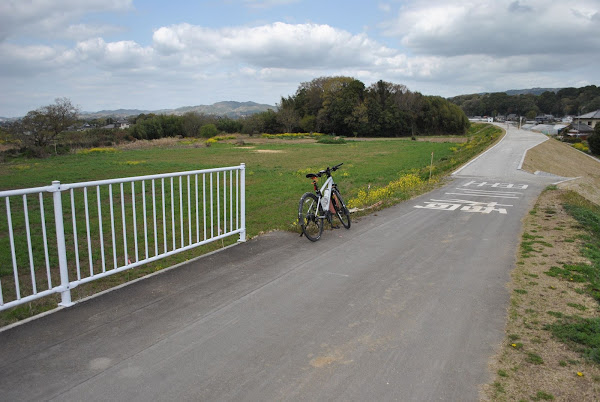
(340, 209)
(309, 217)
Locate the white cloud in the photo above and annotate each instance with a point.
(126, 55)
(277, 45)
(501, 28)
(43, 18)
(31, 60)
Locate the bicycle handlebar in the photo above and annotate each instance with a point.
(325, 171)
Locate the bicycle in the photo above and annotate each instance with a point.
(325, 202)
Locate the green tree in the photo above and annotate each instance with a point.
(594, 140)
(287, 115)
(385, 116)
(229, 125)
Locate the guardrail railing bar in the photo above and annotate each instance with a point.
(224, 202)
(11, 238)
(29, 249)
(211, 206)
(204, 202)
(45, 238)
(197, 212)
(100, 230)
(135, 233)
(218, 205)
(174, 237)
(75, 242)
(87, 230)
(65, 291)
(164, 221)
(123, 219)
(231, 200)
(189, 205)
(181, 211)
(112, 224)
(145, 218)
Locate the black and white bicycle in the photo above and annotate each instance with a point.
(321, 205)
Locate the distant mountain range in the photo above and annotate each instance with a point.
(228, 108)
(532, 91)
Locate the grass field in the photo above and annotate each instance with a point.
(275, 180)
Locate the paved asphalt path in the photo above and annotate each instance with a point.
(408, 304)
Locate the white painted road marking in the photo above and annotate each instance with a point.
(484, 207)
(496, 185)
(471, 206)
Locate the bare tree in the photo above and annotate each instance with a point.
(192, 122)
(40, 127)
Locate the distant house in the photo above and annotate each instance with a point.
(567, 119)
(122, 124)
(85, 127)
(544, 118)
(591, 119)
(580, 130)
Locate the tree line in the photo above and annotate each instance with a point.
(344, 106)
(564, 102)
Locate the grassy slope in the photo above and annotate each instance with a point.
(552, 347)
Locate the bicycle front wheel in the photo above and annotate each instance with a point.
(308, 217)
(340, 209)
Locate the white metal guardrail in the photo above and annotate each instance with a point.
(57, 237)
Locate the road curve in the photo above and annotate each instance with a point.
(408, 304)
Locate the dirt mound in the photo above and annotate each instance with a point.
(560, 159)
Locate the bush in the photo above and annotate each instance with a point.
(594, 141)
(208, 130)
(331, 140)
(581, 147)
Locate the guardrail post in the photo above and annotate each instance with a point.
(243, 202)
(61, 245)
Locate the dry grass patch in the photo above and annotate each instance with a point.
(561, 159)
(269, 151)
(531, 360)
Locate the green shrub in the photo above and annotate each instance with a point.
(208, 130)
(331, 140)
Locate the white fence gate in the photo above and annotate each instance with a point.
(90, 230)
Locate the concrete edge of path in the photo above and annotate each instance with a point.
(114, 288)
(527, 150)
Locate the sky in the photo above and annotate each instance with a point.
(149, 55)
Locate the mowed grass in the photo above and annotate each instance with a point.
(275, 181)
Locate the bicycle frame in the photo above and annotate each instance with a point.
(324, 193)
